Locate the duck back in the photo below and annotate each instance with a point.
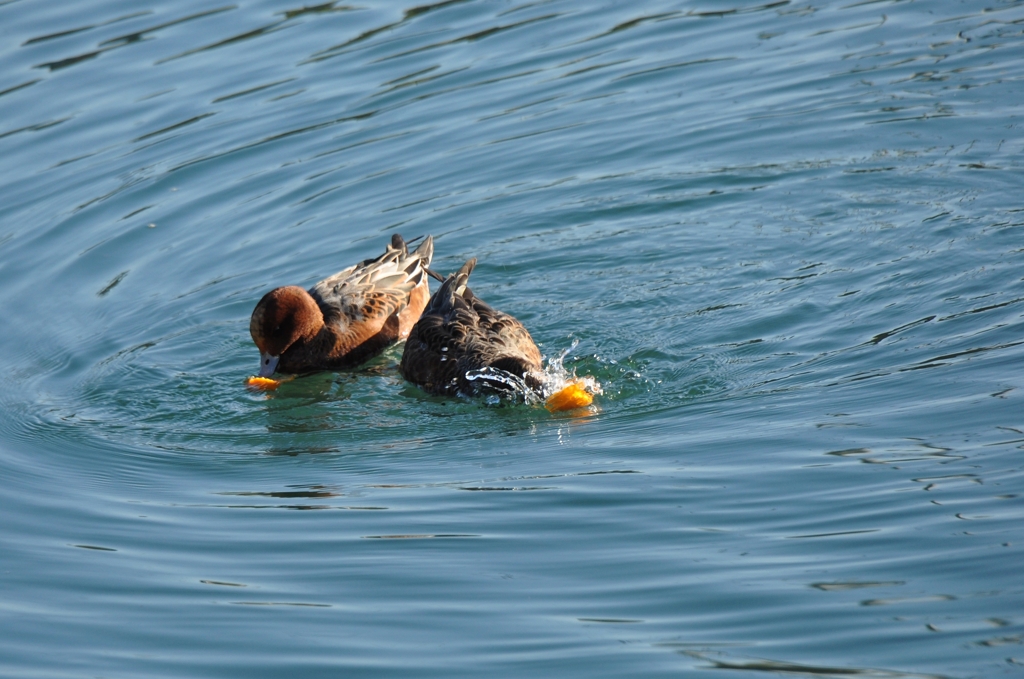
(458, 333)
(347, 318)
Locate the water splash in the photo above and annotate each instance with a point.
(500, 386)
(556, 376)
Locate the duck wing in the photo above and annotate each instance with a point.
(365, 301)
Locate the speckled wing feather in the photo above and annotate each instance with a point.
(501, 336)
(360, 300)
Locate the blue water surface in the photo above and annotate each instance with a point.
(787, 237)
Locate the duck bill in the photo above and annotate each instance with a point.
(268, 364)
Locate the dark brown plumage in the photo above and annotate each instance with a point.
(458, 333)
(346, 318)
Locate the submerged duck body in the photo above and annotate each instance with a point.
(458, 333)
(346, 319)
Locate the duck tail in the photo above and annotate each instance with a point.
(398, 243)
(452, 289)
(419, 258)
(425, 251)
(462, 276)
(415, 263)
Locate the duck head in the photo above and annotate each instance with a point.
(285, 316)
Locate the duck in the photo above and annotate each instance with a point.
(458, 333)
(345, 319)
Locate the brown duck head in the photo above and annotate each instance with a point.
(284, 317)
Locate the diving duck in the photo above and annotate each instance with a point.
(346, 319)
(458, 333)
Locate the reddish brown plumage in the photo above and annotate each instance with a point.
(345, 319)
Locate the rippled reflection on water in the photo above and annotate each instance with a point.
(784, 237)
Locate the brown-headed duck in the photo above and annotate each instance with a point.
(345, 319)
(458, 333)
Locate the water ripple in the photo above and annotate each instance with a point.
(783, 237)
